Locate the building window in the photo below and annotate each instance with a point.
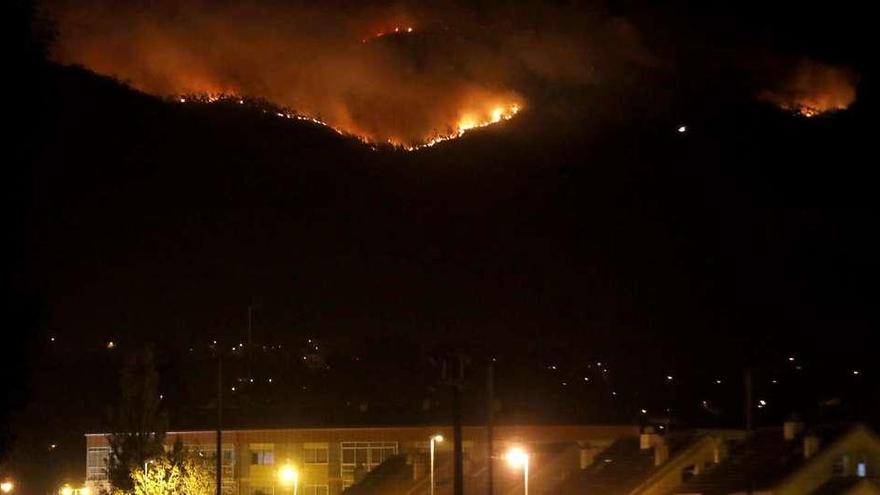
(315, 490)
(262, 454)
(359, 458)
(96, 463)
(315, 453)
(208, 451)
(862, 470)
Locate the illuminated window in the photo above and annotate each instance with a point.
(359, 458)
(315, 453)
(862, 470)
(207, 451)
(262, 454)
(315, 490)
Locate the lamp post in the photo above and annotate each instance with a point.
(518, 458)
(434, 440)
(289, 476)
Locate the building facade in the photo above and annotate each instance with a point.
(329, 460)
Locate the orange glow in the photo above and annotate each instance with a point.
(813, 89)
(469, 119)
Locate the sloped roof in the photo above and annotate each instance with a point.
(843, 486)
(760, 462)
(391, 477)
(623, 466)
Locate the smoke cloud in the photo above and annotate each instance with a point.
(812, 88)
(404, 74)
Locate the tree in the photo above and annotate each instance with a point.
(137, 423)
(192, 475)
(198, 476)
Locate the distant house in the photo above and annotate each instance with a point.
(651, 463)
(792, 461)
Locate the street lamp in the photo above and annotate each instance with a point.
(289, 476)
(66, 490)
(7, 486)
(438, 438)
(518, 458)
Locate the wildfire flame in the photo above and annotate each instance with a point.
(469, 120)
(813, 89)
(406, 75)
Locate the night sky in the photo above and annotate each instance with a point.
(585, 229)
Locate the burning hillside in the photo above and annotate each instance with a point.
(405, 76)
(813, 88)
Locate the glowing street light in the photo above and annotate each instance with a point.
(434, 440)
(66, 490)
(7, 486)
(517, 458)
(289, 476)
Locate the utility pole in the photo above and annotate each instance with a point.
(250, 339)
(455, 380)
(490, 419)
(749, 427)
(748, 396)
(219, 455)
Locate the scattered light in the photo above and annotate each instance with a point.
(517, 458)
(53, 446)
(270, 380)
(564, 384)
(762, 402)
(161, 396)
(644, 411)
(855, 372)
(111, 345)
(233, 389)
(438, 438)
(774, 382)
(669, 378)
(718, 382)
(288, 475)
(791, 359)
(586, 378)
(51, 339)
(7, 486)
(66, 490)
(682, 129)
(84, 491)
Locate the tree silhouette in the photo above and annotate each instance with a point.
(137, 423)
